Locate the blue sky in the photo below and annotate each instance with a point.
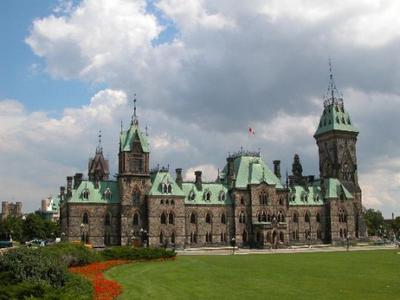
(204, 71)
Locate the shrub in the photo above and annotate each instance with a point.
(32, 265)
(71, 254)
(129, 253)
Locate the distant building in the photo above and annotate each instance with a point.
(50, 208)
(248, 202)
(9, 209)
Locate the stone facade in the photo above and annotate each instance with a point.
(247, 203)
(9, 209)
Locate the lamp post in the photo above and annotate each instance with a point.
(233, 244)
(83, 238)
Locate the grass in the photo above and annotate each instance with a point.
(317, 276)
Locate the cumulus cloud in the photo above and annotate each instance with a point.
(261, 63)
(209, 172)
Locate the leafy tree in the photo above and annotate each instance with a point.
(33, 227)
(12, 226)
(374, 221)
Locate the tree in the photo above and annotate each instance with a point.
(374, 221)
(33, 227)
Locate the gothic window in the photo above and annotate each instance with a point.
(208, 218)
(342, 216)
(85, 218)
(85, 194)
(281, 237)
(136, 197)
(241, 201)
(337, 120)
(281, 217)
(165, 188)
(281, 201)
(173, 238)
(343, 121)
(169, 188)
(167, 201)
(307, 218)
(163, 218)
(135, 219)
(242, 217)
(161, 201)
(192, 195)
(193, 237)
(207, 196)
(264, 217)
(337, 108)
(268, 217)
(192, 218)
(172, 202)
(222, 196)
(107, 194)
(244, 236)
(348, 121)
(107, 239)
(171, 218)
(318, 217)
(341, 232)
(263, 198)
(223, 219)
(295, 218)
(108, 219)
(161, 238)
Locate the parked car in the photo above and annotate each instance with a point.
(6, 244)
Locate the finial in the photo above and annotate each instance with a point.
(330, 97)
(122, 127)
(146, 130)
(134, 117)
(99, 148)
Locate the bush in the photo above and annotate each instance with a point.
(129, 253)
(32, 265)
(71, 254)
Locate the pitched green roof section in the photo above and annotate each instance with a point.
(210, 194)
(163, 184)
(301, 195)
(106, 193)
(251, 169)
(335, 189)
(131, 135)
(335, 117)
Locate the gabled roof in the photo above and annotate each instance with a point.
(163, 177)
(251, 169)
(95, 195)
(334, 188)
(300, 195)
(130, 136)
(335, 117)
(215, 189)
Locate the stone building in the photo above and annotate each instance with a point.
(248, 201)
(9, 209)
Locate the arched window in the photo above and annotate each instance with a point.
(281, 237)
(107, 239)
(242, 217)
(193, 237)
(136, 197)
(163, 218)
(192, 218)
(263, 198)
(108, 219)
(207, 196)
(85, 218)
(295, 218)
(135, 219)
(161, 238)
(307, 218)
(167, 201)
(264, 217)
(107, 194)
(192, 195)
(281, 201)
(241, 201)
(165, 188)
(171, 218)
(169, 188)
(161, 201)
(85, 194)
(173, 238)
(173, 202)
(223, 219)
(342, 216)
(244, 236)
(341, 232)
(318, 217)
(208, 218)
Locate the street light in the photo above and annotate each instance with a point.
(83, 238)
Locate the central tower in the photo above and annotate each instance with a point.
(133, 179)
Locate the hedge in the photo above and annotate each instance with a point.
(129, 253)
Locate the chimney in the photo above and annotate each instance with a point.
(69, 186)
(45, 202)
(230, 176)
(62, 192)
(77, 180)
(277, 168)
(311, 178)
(178, 179)
(198, 179)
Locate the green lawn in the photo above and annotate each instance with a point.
(352, 275)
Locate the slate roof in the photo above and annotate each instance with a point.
(96, 195)
(161, 177)
(215, 189)
(132, 134)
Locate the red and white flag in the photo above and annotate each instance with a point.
(251, 131)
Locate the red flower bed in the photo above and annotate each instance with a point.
(104, 289)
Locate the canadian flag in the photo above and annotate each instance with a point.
(251, 131)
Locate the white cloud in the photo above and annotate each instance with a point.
(209, 172)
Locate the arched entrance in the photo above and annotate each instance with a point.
(259, 239)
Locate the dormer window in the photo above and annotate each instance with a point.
(222, 196)
(169, 188)
(207, 196)
(192, 196)
(348, 121)
(107, 194)
(166, 188)
(85, 194)
(343, 121)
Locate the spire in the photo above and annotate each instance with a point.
(147, 130)
(332, 96)
(122, 127)
(135, 120)
(99, 148)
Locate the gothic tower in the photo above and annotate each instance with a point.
(98, 168)
(133, 179)
(336, 138)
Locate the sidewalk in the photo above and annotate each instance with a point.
(242, 251)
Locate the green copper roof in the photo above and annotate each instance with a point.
(161, 179)
(335, 117)
(251, 169)
(334, 188)
(218, 194)
(300, 195)
(98, 195)
(130, 136)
